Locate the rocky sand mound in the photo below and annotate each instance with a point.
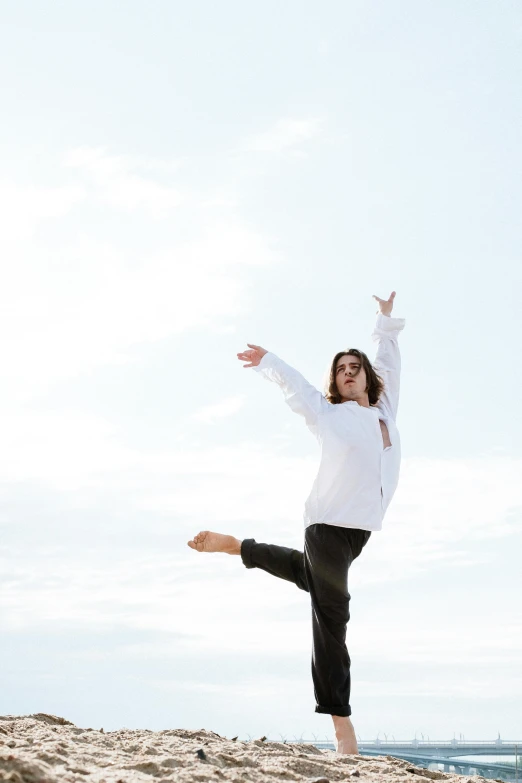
(44, 748)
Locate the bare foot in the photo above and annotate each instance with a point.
(345, 735)
(206, 541)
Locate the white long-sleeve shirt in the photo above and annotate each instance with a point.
(357, 476)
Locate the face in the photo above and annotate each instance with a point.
(350, 378)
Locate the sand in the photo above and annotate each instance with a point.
(44, 748)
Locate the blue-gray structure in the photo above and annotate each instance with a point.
(460, 756)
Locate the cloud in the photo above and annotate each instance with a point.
(66, 332)
(451, 686)
(94, 527)
(24, 207)
(220, 410)
(452, 644)
(439, 508)
(72, 301)
(285, 135)
(323, 47)
(245, 489)
(115, 180)
(210, 604)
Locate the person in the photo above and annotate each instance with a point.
(355, 425)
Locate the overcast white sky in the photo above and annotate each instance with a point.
(179, 179)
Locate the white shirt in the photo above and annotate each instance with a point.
(357, 476)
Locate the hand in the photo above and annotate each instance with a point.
(254, 356)
(385, 305)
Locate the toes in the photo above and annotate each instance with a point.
(198, 542)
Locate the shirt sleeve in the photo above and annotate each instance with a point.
(301, 396)
(387, 363)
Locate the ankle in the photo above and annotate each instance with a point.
(342, 725)
(235, 547)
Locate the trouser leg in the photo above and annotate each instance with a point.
(279, 561)
(328, 553)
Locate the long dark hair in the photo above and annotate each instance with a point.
(374, 383)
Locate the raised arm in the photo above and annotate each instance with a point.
(301, 396)
(387, 362)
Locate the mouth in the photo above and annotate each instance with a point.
(348, 382)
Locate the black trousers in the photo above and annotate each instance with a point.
(321, 570)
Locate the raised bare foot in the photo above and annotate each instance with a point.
(206, 541)
(345, 735)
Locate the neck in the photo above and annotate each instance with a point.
(363, 401)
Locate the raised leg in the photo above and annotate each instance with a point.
(280, 561)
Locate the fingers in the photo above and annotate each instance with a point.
(253, 356)
(392, 297)
(243, 358)
(247, 356)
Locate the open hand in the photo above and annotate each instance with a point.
(253, 356)
(385, 305)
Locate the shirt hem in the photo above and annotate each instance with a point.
(341, 524)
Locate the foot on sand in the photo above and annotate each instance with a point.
(206, 541)
(346, 741)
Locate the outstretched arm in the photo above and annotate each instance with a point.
(301, 396)
(387, 362)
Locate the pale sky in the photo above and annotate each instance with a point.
(179, 180)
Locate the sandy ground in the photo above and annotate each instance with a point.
(44, 748)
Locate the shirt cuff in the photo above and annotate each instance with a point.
(266, 361)
(385, 323)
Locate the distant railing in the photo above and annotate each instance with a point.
(414, 743)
